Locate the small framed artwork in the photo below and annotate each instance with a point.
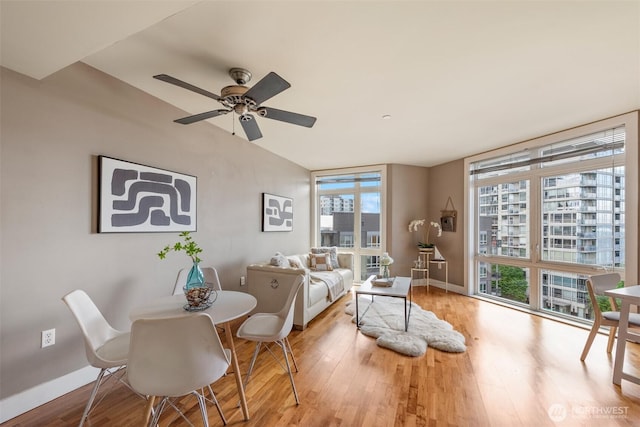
(448, 223)
(136, 198)
(277, 213)
(448, 216)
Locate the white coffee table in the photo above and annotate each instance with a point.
(401, 288)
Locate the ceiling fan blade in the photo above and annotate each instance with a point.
(201, 116)
(270, 85)
(289, 117)
(185, 85)
(250, 126)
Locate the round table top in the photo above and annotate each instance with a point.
(229, 305)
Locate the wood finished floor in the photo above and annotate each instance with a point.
(517, 366)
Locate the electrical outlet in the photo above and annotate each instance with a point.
(48, 338)
(242, 281)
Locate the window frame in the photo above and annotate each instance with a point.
(315, 212)
(629, 161)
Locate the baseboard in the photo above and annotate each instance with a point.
(449, 287)
(27, 400)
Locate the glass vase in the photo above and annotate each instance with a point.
(385, 271)
(196, 290)
(195, 279)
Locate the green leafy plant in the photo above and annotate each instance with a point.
(190, 247)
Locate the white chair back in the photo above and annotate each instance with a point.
(95, 329)
(106, 348)
(210, 277)
(175, 356)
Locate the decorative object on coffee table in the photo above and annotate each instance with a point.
(382, 281)
(385, 262)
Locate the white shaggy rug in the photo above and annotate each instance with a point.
(385, 321)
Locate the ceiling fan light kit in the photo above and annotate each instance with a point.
(243, 101)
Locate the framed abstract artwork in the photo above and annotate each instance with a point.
(277, 213)
(136, 198)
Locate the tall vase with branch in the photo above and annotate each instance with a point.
(195, 289)
(417, 223)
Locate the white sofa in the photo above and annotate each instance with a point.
(264, 279)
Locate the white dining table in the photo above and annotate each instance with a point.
(228, 306)
(629, 295)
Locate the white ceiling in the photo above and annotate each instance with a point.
(458, 78)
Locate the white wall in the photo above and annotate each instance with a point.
(51, 134)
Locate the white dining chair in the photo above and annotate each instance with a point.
(176, 356)
(210, 278)
(106, 348)
(266, 328)
(596, 285)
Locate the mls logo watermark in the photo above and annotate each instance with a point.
(558, 412)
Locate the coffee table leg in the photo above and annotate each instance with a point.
(407, 315)
(365, 311)
(406, 319)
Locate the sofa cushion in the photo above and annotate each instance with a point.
(347, 275)
(332, 251)
(320, 262)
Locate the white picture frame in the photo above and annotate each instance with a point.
(277, 213)
(135, 198)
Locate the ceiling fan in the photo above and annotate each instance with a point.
(244, 101)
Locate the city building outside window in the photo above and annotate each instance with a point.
(546, 217)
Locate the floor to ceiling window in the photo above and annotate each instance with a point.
(547, 214)
(347, 206)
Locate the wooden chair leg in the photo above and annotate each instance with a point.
(587, 345)
(612, 337)
(147, 410)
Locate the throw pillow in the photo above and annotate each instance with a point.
(320, 262)
(332, 251)
(295, 262)
(279, 260)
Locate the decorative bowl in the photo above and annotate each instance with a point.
(198, 298)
